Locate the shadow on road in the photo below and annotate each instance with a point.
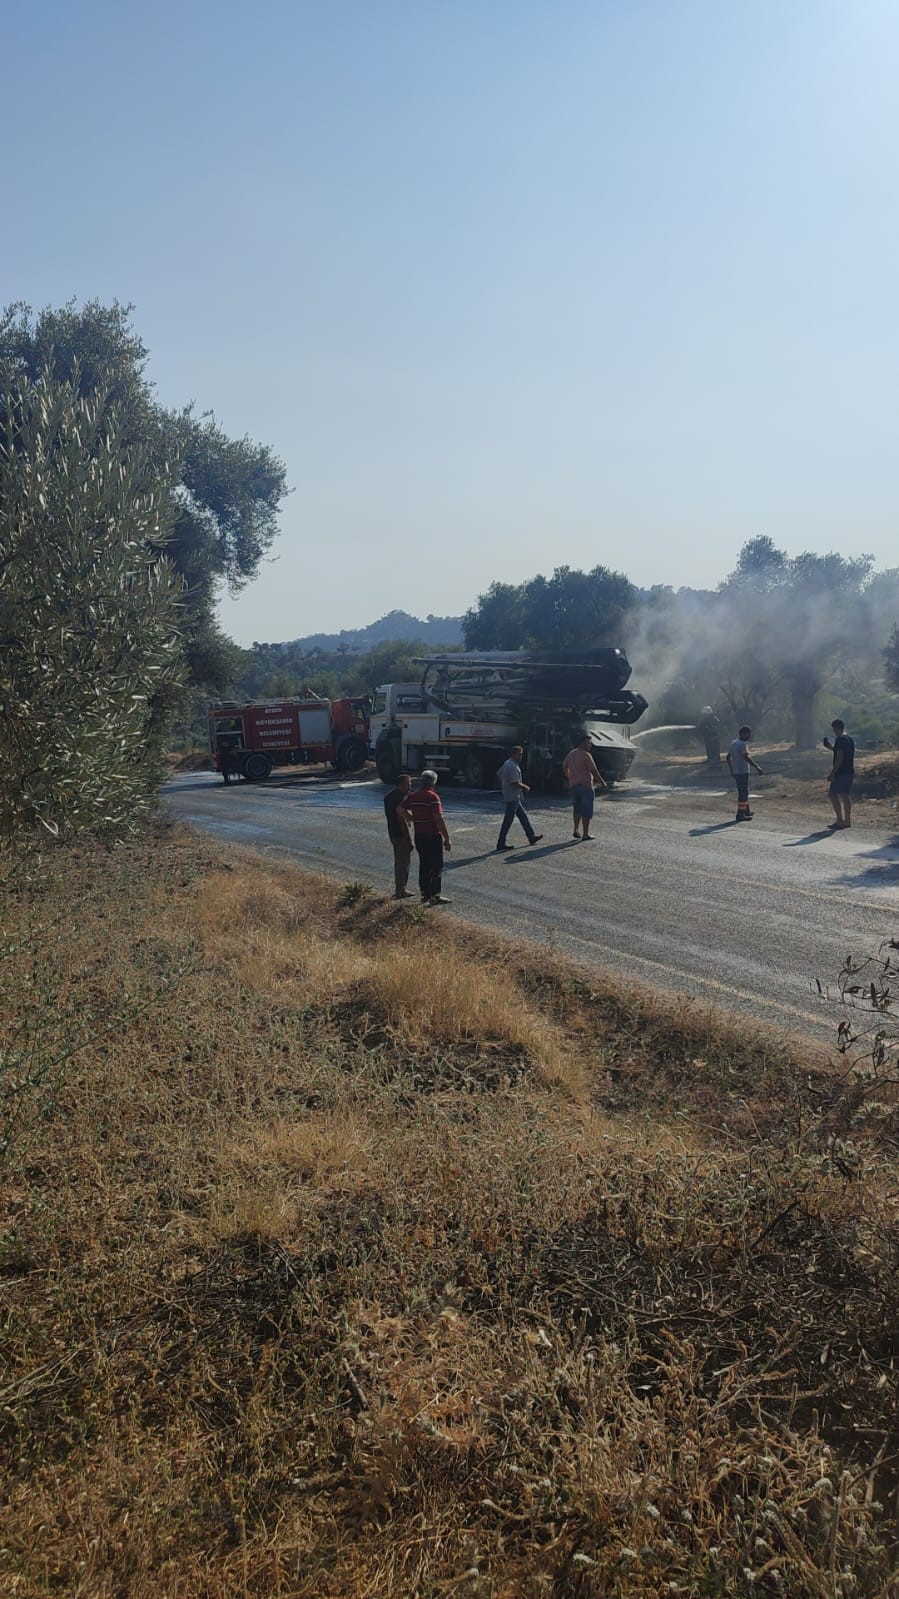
(516, 852)
(811, 838)
(883, 873)
(528, 854)
(716, 827)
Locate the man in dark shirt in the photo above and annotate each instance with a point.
(710, 728)
(400, 835)
(431, 837)
(841, 774)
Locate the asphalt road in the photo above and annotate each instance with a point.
(671, 893)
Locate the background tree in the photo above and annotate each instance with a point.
(569, 611)
(792, 618)
(226, 494)
(393, 661)
(882, 630)
(89, 608)
(497, 620)
(272, 671)
(750, 694)
(578, 610)
(891, 660)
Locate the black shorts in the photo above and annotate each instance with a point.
(842, 784)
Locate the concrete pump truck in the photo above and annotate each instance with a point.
(468, 708)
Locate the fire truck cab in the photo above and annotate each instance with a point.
(409, 731)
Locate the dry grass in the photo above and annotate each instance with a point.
(352, 1253)
(878, 775)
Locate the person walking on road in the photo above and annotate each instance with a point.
(431, 837)
(513, 787)
(842, 774)
(400, 833)
(740, 763)
(582, 772)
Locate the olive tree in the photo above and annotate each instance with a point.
(89, 609)
(571, 610)
(225, 493)
(789, 618)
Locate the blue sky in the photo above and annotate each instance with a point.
(506, 284)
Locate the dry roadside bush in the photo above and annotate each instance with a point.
(312, 1290)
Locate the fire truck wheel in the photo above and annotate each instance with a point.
(387, 767)
(352, 755)
(475, 768)
(257, 767)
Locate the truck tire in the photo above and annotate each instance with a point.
(257, 767)
(476, 767)
(388, 771)
(352, 755)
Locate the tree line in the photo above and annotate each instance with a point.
(762, 647)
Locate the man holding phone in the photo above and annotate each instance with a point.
(842, 774)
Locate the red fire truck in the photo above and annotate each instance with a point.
(250, 740)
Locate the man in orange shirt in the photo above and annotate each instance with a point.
(582, 772)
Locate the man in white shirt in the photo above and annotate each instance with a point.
(740, 763)
(513, 787)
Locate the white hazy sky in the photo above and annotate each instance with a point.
(507, 284)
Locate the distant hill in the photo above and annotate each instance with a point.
(433, 630)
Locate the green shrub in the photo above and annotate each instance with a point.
(90, 657)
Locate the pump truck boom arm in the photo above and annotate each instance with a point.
(580, 684)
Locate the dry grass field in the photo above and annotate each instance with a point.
(348, 1253)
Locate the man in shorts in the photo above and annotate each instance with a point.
(740, 763)
(842, 774)
(581, 771)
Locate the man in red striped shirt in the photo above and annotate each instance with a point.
(431, 837)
